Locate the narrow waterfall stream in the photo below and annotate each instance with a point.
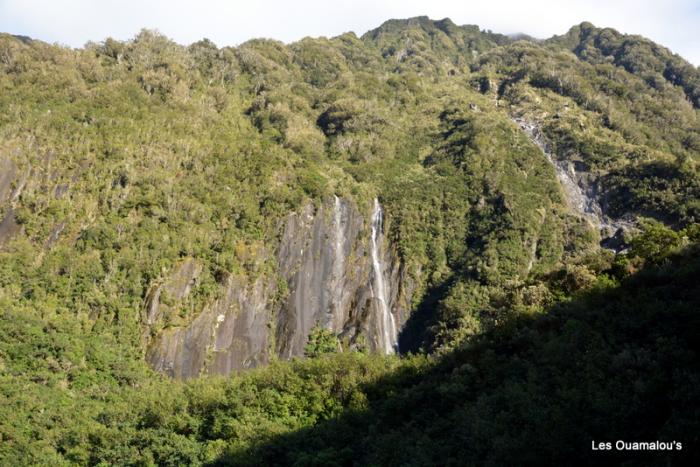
(379, 291)
(581, 198)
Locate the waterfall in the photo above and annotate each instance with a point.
(580, 194)
(388, 325)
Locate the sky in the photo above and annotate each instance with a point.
(672, 23)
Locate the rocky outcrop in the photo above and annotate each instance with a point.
(339, 272)
(230, 334)
(314, 258)
(8, 193)
(340, 276)
(176, 288)
(8, 171)
(8, 226)
(580, 187)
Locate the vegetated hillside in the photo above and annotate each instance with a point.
(198, 211)
(614, 362)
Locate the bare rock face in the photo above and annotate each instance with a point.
(8, 226)
(326, 258)
(8, 192)
(176, 288)
(230, 334)
(580, 188)
(342, 274)
(331, 259)
(312, 258)
(8, 171)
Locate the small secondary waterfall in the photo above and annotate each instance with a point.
(580, 197)
(387, 322)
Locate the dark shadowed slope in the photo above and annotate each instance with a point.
(615, 364)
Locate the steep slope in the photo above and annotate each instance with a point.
(209, 208)
(199, 211)
(539, 389)
(330, 261)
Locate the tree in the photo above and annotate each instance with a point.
(321, 341)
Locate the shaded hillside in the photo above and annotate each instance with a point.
(612, 364)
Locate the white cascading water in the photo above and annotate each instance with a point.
(388, 324)
(583, 202)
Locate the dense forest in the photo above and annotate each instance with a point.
(428, 245)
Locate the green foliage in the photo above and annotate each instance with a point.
(321, 341)
(535, 387)
(121, 159)
(656, 243)
(669, 191)
(656, 64)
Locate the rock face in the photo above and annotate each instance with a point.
(230, 334)
(15, 181)
(579, 186)
(8, 174)
(177, 287)
(340, 273)
(340, 276)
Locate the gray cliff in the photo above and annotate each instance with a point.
(230, 334)
(330, 259)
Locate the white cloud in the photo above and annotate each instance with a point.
(673, 23)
